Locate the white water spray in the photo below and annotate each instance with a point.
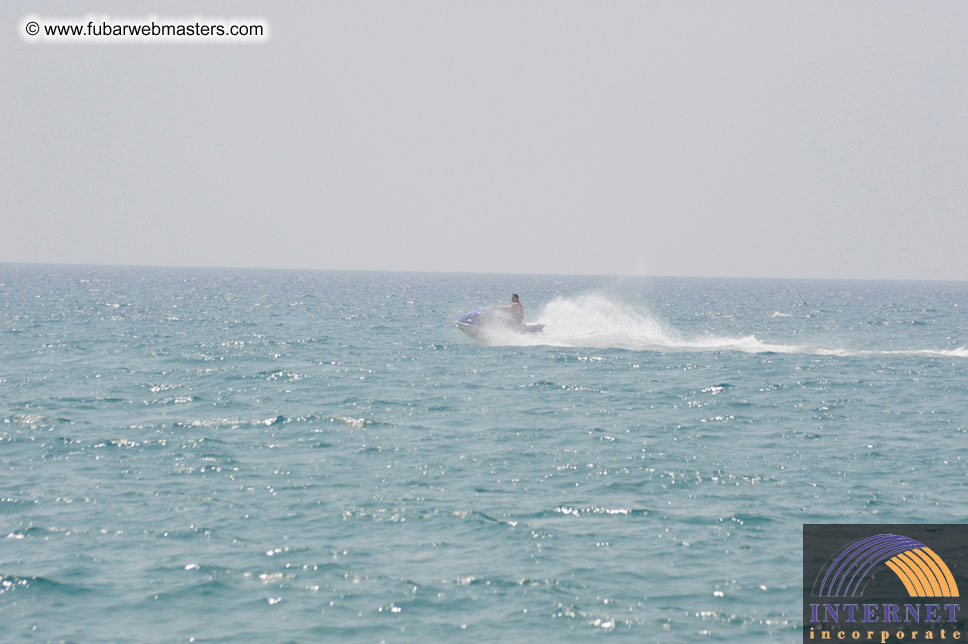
(597, 321)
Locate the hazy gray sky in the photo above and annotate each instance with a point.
(770, 139)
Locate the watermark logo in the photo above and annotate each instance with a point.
(884, 583)
(104, 29)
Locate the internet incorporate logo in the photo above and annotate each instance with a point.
(880, 583)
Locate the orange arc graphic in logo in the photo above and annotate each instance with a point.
(923, 573)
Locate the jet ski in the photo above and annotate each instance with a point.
(477, 323)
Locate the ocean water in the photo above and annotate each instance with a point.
(281, 456)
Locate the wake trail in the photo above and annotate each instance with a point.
(596, 321)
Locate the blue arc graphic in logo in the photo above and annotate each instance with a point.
(922, 572)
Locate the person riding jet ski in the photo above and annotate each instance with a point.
(510, 317)
(515, 308)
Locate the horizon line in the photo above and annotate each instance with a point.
(444, 272)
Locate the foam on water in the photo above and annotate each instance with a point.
(596, 321)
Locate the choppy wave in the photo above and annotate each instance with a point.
(597, 321)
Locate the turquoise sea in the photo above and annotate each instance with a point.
(208, 455)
